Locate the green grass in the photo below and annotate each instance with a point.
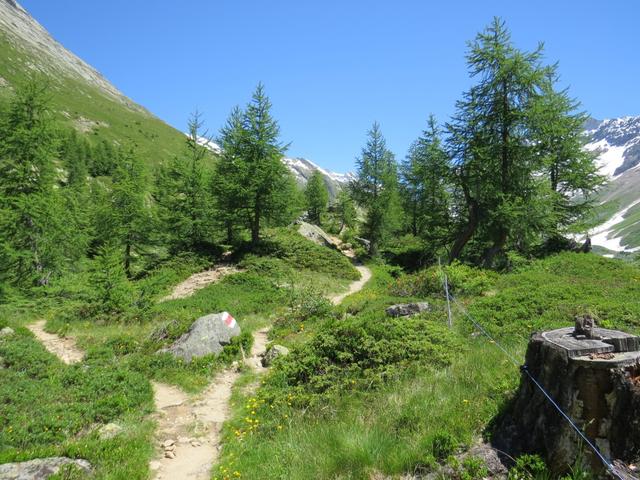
(326, 412)
(50, 409)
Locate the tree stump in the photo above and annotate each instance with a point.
(595, 379)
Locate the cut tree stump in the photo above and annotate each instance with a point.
(595, 381)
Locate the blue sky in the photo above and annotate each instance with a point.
(333, 67)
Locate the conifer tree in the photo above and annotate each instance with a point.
(230, 197)
(345, 210)
(375, 188)
(317, 197)
(500, 197)
(558, 129)
(32, 231)
(112, 292)
(426, 186)
(124, 219)
(250, 176)
(181, 194)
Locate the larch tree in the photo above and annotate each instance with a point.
(181, 193)
(316, 197)
(500, 195)
(426, 187)
(124, 217)
(250, 177)
(33, 233)
(375, 188)
(558, 128)
(345, 210)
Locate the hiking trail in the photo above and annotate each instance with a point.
(200, 280)
(189, 428)
(62, 347)
(354, 287)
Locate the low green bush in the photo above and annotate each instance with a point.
(300, 253)
(362, 353)
(462, 280)
(44, 403)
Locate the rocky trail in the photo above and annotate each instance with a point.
(63, 348)
(200, 280)
(189, 428)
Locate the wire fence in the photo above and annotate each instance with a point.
(609, 465)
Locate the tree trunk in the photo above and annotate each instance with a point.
(127, 259)
(498, 245)
(466, 234)
(255, 227)
(229, 226)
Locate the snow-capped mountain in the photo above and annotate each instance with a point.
(301, 168)
(618, 143)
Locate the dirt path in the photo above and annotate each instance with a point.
(63, 348)
(200, 280)
(365, 276)
(188, 433)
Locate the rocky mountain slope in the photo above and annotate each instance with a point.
(618, 143)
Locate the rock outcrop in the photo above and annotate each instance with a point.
(272, 353)
(317, 235)
(41, 468)
(208, 335)
(407, 309)
(595, 379)
(6, 332)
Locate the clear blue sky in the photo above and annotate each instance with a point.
(333, 67)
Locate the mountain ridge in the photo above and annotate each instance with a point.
(617, 142)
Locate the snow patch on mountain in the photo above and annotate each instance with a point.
(301, 168)
(617, 141)
(601, 236)
(610, 158)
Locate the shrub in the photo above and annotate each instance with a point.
(529, 467)
(462, 279)
(362, 353)
(298, 252)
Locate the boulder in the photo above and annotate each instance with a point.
(407, 309)
(41, 468)
(496, 470)
(272, 353)
(110, 430)
(208, 335)
(6, 332)
(316, 235)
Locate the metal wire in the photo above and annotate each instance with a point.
(524, 368)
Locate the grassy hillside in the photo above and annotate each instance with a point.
(82, 106)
